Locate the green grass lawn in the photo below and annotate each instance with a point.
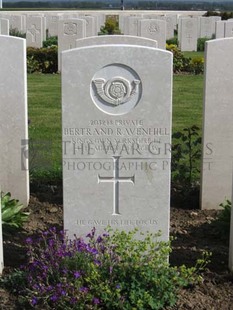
(194, 54)
(44, 100)
(44, 109)
(187, 101)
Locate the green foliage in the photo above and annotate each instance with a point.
(51, 41)
(224, 15)
(42, 175)
(42, 60)
(223, 221)
(32, 64)
(201, 44)
(172, 41)
(13, 215)
(114, 270)
(16, 33)
(180, 62)
(110, 27)
(197, 65)
(186, 155)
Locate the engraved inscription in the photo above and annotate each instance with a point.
(70, 29)
(34, 32)
(116, 179)
(153, 28)
(189, 38)
(117, 90)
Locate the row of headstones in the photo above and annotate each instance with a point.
(113, 132)
(156, 27)
(68, 28)
(161, 28)
(36, 27)
(190, 29)
(224, 29)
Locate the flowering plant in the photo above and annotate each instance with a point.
(114, 270)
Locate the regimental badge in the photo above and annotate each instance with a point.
(117, 90)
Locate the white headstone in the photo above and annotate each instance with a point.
(17, 23)
(69, 30)
(218, 125)
(129, 19)
(116, 112)
(1, 239)
(113, 39)
(153, 29)
(188, 34)
(207, 26)
(231, 240)
(35, 29)
(220, 29)
(90, 25)
(4, 26)
(14, 176)
(133, 26)
(228, 29)
(170, 26)
(52, 25)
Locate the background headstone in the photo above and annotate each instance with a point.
(1, 240)
(220, 29)
(231, 241)
(34, 34)
(207, 26)
(14, 176)
(188, 34)
(228, 29)
(133, 26)
(90, 25)
(153, 29)
(17, 23)
(170, 20)
(52, 25)
(4, 26)
(69, 30)
(113, 39)
(116, 112)
(218, 125)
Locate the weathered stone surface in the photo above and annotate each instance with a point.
(218, 126)
(116, 111)
(14, 176)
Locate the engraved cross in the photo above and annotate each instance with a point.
(116, 179)
(189, 37)
(33, 31)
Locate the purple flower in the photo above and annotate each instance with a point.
(95, 301)
(84, 289)
(77, 274)
(91, 234)
(92, 250)
(118, 286)
(99, 239)
(29, 240)
(73, 300)
(34, 301)
(54, 298)
(97, 262)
